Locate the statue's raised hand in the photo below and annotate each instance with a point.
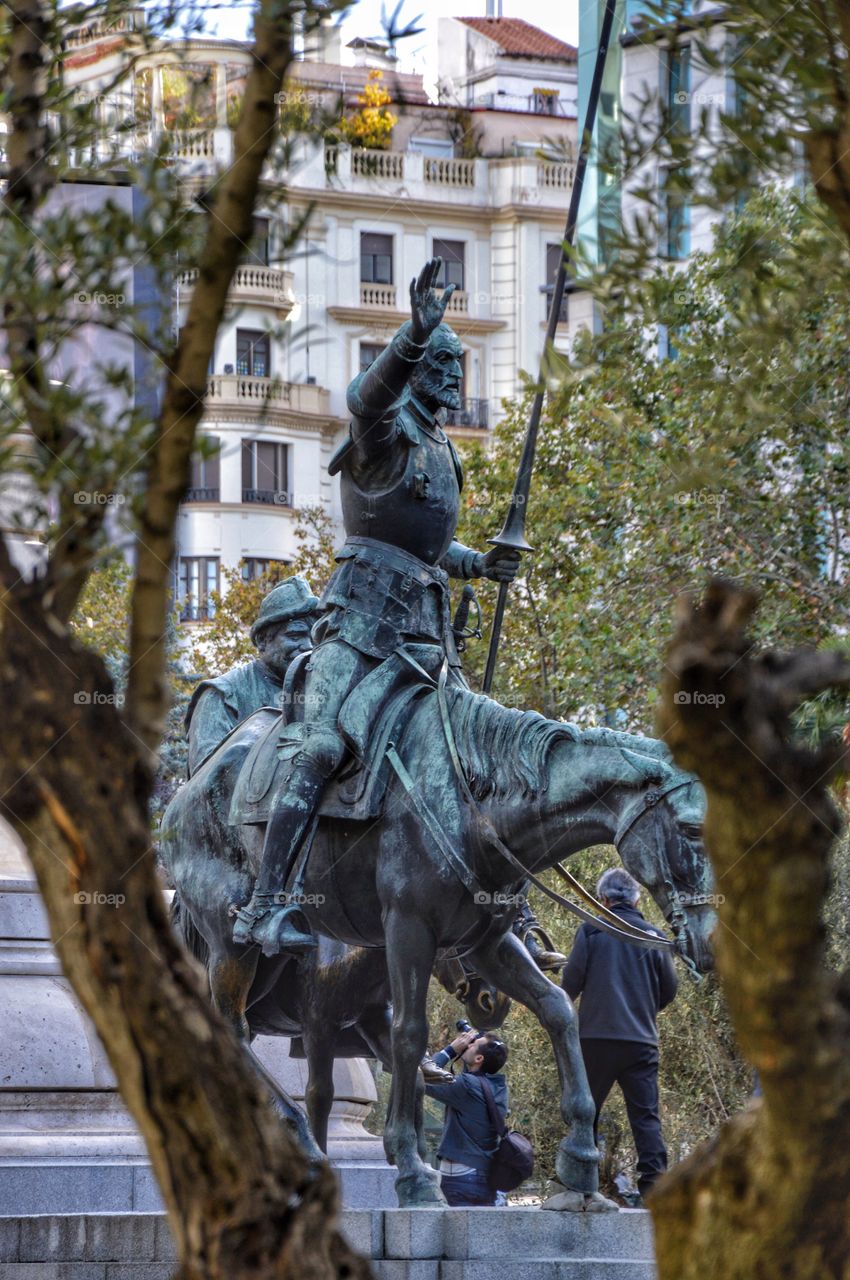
(426, 307)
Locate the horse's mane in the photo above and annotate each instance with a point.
(504, 752)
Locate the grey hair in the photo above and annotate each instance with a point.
(618, 887)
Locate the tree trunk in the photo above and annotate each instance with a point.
(769, 1196)
(242, 1198)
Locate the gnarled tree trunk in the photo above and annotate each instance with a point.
(769, 1196)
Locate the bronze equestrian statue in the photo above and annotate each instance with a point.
(400, 480)
(405, 810)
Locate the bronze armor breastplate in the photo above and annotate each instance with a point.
(417, 511)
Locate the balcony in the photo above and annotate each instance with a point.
(253, 285)
(196, 494)
(269, 497)
(377, 295)
(234, 391)
(412, 176)
(458, 302)
(473, 413)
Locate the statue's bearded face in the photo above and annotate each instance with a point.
(437, 379)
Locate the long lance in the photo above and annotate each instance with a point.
(513, 530)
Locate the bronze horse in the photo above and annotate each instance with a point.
(336, 1004)
(547, 791)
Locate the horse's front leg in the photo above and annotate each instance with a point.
(506, 963)
(410, 955)
(375, 1026)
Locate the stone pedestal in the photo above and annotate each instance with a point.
(67, 1144)
(402, 1244)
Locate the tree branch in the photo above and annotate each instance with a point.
(230, 229)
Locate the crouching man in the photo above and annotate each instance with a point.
(469, 1141)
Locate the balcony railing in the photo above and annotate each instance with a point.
(201, 494)
(458, 302)
(193, 144)
(388, 165)
(377, 295)
(268, 286)
(268, 497)
(448, 172)
(196, 611)
(472, 413)
(266, 393)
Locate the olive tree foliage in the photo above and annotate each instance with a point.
(734, 457)
(728, 455)
(77, 767)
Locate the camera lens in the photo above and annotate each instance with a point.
(463, 1025)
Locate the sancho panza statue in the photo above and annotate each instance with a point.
(279, 633)
(400, 480)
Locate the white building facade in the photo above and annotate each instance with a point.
(466, 186)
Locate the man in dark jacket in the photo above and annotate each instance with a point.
(469, 1140)
(623, 988)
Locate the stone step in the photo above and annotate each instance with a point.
(404, 1244)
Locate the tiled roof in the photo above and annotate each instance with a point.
(519, 38)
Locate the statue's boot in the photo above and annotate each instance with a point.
(537, 941)
(269, 920)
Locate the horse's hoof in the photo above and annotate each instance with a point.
(577, 1169)
(419, 1191)
(579, 1202)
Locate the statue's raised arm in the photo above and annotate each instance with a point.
(375, 398)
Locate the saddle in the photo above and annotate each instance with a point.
(374, 715)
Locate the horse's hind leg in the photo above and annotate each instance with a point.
(506, 963)
(320, 1083)
(231, 974)
(410, 954)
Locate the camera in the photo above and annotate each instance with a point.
(463, 1025)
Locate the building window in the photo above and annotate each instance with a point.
(272, 570)
(369, 352)
(252, 353)
(452, 270)
(674, 202)
(197, 579)
(553, 261)
(545, 102)
(376, 258)
(205, 482)
(265, 472)
(258, 250)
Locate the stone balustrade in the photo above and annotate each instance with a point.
(447, 172)
(378, 295)
(265, 286)
(238, 391)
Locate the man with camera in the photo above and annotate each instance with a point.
(469, 1140)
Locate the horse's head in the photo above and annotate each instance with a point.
(486, 1007)
(659, 839)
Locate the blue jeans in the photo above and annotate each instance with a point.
(464, 1189)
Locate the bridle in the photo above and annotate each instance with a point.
(675, 916)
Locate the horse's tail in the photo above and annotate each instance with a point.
(188, 931)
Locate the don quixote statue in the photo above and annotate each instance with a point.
(395, 816)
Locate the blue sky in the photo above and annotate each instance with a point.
(419, 52)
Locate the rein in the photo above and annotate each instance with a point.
(600, 915)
